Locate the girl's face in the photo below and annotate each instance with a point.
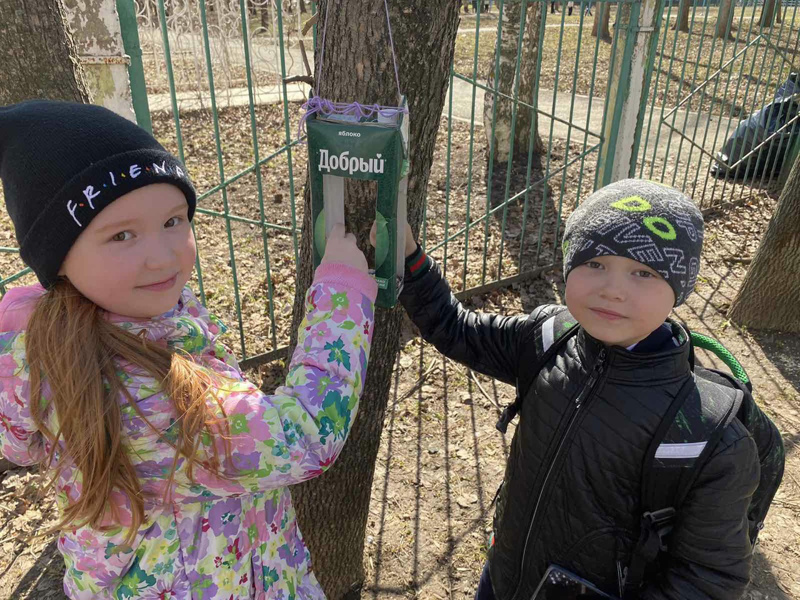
(135, 256)
(618, 300)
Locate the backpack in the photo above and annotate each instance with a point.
(688, 433)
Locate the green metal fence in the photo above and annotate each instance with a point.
(210, 79)
(704, 84)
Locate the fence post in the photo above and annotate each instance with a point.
(96, 31)
(126, 10)
(628, 83)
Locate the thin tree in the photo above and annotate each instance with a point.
(769, 292)
(682, 19)
(768, 13)
(602, 21)
(529, 14)
(724, 20)
(39, 55)
(333, 509)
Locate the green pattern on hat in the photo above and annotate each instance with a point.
(645, 221)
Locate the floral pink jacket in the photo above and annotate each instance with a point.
(218, 539)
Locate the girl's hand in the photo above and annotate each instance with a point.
(341, 249)
(411, 243)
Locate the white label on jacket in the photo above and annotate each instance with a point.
(688, 450)
(547, 333)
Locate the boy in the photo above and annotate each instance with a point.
(571, 493)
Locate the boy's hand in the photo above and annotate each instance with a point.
(411, 243)
(341, 249)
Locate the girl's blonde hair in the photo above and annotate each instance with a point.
(72, 345)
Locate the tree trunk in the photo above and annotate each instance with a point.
(724, 20)
(512, 15)
(602, 21)
(39, 56)
(768, 13)
(682, 20)
(779, 12)
(303, 6)
(333, 509)
(769, 292)
(39, 61)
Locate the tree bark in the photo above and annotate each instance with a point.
(38, 54)
(779, 12)
(682, 20)
(602, 22)
(724, 20)
(769, 292)
(512, 15)
(768, 13)
(333, 509)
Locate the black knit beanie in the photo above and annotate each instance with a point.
(62, 163)
(651, 223)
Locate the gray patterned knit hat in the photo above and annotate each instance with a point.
(648, 222)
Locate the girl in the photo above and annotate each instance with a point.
(170, 468)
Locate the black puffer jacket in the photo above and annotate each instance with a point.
(571, 494)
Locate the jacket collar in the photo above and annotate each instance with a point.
(187, 326)
(647, 368)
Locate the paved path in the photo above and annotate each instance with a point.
(577, 113)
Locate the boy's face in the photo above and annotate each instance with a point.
(617, 300)
(136, 255)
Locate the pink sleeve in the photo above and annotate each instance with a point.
(17, 305)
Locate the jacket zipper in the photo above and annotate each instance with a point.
(580, 399)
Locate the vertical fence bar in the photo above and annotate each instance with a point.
(794, 149)
(126, 10)
(490, 175)
(569, 134)
(221, 170)
(542, 33)
(257, 168)
(447, 175)
(663, 32)
(770, 145)
(713, 98)
(735, 95)
(546, 182)
(725, 96)
(288, 133)
(162, 16)
(510, 158)
(472, 140)
(588, 119)
(689, 104)
(534, 131)
(680, 91)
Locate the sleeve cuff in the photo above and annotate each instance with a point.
(347, 276)
(417, 264)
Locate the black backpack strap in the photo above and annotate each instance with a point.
(688, 433)
(553, 332)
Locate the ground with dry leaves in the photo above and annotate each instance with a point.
(441, 458)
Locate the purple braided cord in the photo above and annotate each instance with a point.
(326, 107)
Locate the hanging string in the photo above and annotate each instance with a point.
(322, 52)
(320, 105)
(391, 44)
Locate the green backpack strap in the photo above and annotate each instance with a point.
(703, 341)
